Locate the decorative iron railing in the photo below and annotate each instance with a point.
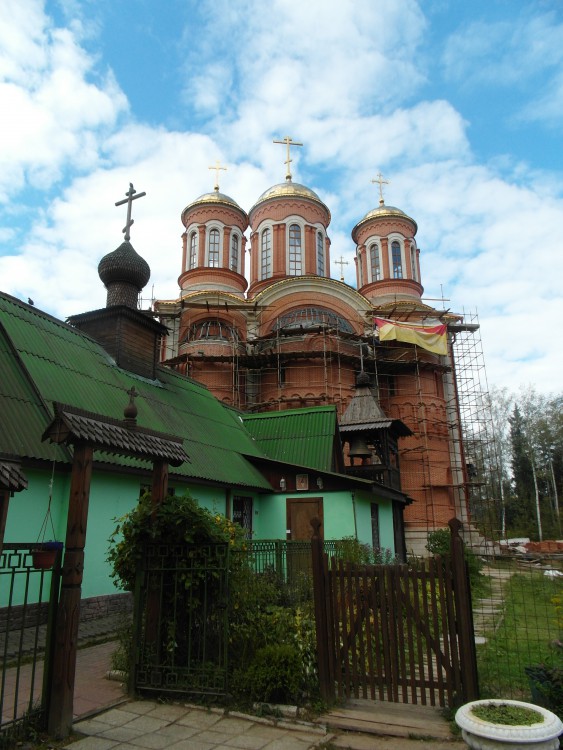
(28, 601)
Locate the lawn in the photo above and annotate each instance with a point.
(526, 636)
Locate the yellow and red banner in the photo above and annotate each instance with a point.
(431, 338)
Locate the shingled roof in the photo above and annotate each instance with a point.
(45, 361)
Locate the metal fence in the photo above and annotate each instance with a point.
(28, 601)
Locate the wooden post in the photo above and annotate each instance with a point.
(321, 621)
(464, 615)
(68, 617)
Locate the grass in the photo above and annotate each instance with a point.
(522, 639)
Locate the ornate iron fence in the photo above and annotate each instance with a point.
(28, 604)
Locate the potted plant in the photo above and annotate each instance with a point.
(495, 724)
(44, 554)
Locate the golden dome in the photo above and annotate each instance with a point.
(383, 211)
(214, 198)
(290, 189)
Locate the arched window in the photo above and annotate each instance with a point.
(192, 260)
(413, 263)
(294, 250)
(213, 257)
(396, 260)
(266, 254)
(234, 252)
(320, 254)
(375, 262)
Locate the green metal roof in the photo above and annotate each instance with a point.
(298, 436)
(63, 364)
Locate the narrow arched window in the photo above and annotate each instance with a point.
(320, 254)
(213, 257)
(266, 254)
(192, 262)
(375, 262)
(234, 252)
(294, 250)
(396, 260)
(413, 264)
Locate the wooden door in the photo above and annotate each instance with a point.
(300, 511)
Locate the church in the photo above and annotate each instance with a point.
(262, 324)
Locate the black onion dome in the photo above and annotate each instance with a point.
(363, 378)
(124, 265)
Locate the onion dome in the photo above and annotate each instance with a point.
(383, 211)
(212, 199)
(124, 273)
(290, 189)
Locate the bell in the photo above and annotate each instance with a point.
(358, 448)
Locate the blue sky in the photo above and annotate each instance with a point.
(459, 105)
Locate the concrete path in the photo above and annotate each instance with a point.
(147, 724)
(155, 726)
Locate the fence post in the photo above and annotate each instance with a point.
(319, 594)
(464, 614)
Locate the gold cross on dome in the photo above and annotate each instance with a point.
(288, 141)
(341, 263)
(217, 169)
(381, 182)
(129, 200)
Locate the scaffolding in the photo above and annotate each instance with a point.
(479, 446)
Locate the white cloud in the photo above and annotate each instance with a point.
(341, 77)
(53, 115)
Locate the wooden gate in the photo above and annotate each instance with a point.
(395, 632)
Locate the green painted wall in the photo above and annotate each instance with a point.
(113, 495)
(363, 516)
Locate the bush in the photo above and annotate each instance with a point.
(274, 676)
(439, 544)
(349, 549)
(178, 520)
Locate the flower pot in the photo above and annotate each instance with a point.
(480, 734)
(45, 554)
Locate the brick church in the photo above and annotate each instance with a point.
(263, 325)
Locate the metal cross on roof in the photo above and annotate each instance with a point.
(217, 168)
(288, 141)
(381, 182)
(341, 263)
(129, 200)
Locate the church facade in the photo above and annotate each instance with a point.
(280, 333)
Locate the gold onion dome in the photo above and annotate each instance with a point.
(213, 199)
(383, 211)
(289, 189)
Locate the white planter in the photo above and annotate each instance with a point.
(484, 735)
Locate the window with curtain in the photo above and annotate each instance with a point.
(213, 257)
(320, 254)
(234, 252)
(375, 261)
(294, 250)
(413, 263)
(192, 261)
(266, 254)
(396, 260)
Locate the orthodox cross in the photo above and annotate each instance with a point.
(129, 200)
(381, 182)
(288, 142)
(341, 263)
(217, 168)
